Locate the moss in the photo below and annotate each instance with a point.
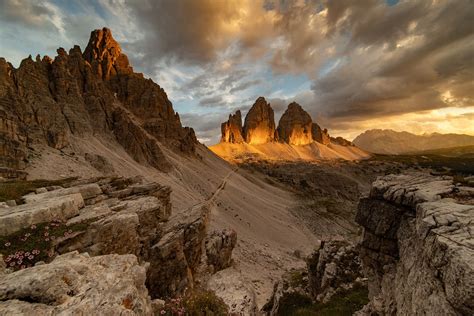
(344, 303)
(296, 278)
(25, 247)
(14, 190)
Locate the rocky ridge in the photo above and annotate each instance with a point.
(417, 248)
(95, 92)
(295, 127)
(120, 216)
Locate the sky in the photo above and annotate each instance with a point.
(353, 65)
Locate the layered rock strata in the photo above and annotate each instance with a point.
(127, 216)
(417, 248)
(46, 101)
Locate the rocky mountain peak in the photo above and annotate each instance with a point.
(232, 129)
(105, 55)
(259, 126)
(295, 126)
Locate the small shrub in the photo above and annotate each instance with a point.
(195, 303)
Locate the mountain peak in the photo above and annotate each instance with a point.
(104, 54)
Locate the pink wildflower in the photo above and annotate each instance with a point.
(163, 312)
(27, 253)
(46, 239)
(23, 267)
(7, 244)
(12, 263)
(46, 234)
(33, 226)
(46, 227)
(31, 257)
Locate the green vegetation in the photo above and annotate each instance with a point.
(344, 303)
(14, 190)
(296, 278)
(197, 302)
(35, 243)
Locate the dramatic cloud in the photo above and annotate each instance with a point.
(349, 63)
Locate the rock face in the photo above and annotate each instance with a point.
(219, 246)
(333, 268)
(295, 126)
(126, 216)
(341, 141)
(232, 129)
(259, 126)
(320, 135)
(417, 249)
(47, 101)
(76, 284)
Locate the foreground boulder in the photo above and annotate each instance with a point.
(417, 246)
(76, 284)
(116, 216)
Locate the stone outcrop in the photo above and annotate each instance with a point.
(259, 126)
(417, 249)
(231, 130)
(320, 135)
(333, 268)
(295, 126)
(76, 284)
(219, 246)
(46, 101)
(126, 216)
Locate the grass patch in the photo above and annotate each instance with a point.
(296, 278)
(342, 304)
(14, 190)
(35, 243)
(196, 302)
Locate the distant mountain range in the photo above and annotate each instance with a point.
(391, 142)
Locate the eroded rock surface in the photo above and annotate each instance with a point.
(46, 101)
(320, 135)
(259, 126)
(232, 129)
(417, 249)
(76, 284)
(126, 216)
(295, 126)
(333, 268)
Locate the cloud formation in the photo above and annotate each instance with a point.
(362, 60)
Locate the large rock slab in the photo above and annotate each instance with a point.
(61, 207)
(417, 249)
(87, 191)
(76, 284)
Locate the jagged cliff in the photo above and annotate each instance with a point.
(417, 249)
(297, 137)
(295, 126)
(47, 101)
(259, 126)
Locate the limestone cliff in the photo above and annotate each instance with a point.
(232, 129)
(46, 101)
(417, 248)
(295, 126)
(259, 126)
(320, 135)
